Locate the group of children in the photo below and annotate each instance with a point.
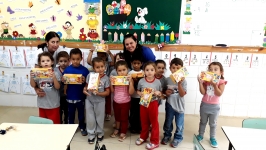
(126, 98)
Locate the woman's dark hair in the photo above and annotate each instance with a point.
(120, 54)
(48, 37)
(45, 54)
(97, 59)
(220, 66)
(62, 54)
(137, 52)
(120, 63)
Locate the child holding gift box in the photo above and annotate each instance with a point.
(121, 101)
(95, 102)
(75, 96)
(149, 115)
(118, 56)
(210, 107)
(50, 102)
(174, 106)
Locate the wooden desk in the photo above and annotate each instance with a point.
(245, 138)
(37, 136)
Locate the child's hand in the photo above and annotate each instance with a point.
(83, 79)
(92, 49)
(107, 49)
(158, 93)
(52, 74)
(32, 75)
(85, 91)
(200, 80)
(168, 92)
(182, 79)
(213, 83)
(111, 80)
(63, 79)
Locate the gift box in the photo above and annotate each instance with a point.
(146, 98)
(179, 74)
(73, 78)
(120, 80)
(41, 73)
(94, 81)
(137, 75)
(100, 47)
(207, 76)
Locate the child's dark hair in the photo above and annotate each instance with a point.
(45, 54)
(105, 55)
(138, 58)
(160, 61)
(97, 59)
(75, 51)
(120, 54)
(220, 66)
(62, 54)
(120, 63)
(149, 63)
(176, 61)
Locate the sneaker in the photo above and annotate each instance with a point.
(175, 143)
(165, 140)
(107, 117)
(83, 132)
(199, 138)
(213, 142)
(91, 141)
(100, 139)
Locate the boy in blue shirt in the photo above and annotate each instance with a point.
(74, 92)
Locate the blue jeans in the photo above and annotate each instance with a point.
(72, 111)
(170, 113)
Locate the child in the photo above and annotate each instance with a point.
(174, 106)
(149, 115)
(210, 107)
(134, 119)
(121, 101)
(50, 102)
(75, 96)
(63, 61)
(119, 56)
(160, 64)
(95, 102)
(108, 65)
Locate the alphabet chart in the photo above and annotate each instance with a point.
(14, 84)
(26, 87)
(5, 60)
(18, 58)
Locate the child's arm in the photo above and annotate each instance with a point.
(218, 89)
(103, 94)
(181, 91)
(131, 88)
(65, 89)
(56, 83)
(85, 90)
(89, 57)
(112, 58)
(32, 82)
(202, 88)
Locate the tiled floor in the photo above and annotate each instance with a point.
(21, 114)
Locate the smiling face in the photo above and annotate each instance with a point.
(130, 44)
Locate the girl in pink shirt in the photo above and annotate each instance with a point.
(210, 107)
(121, 101)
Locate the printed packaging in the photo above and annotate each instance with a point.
(41, 73)
(73, 78)
(179, 74)
(120, 80)
(94, 81)
(147, 96)
(207, 76)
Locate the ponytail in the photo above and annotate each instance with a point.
(42, 46)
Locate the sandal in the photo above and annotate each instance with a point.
(139, 141)
(151, 146)
(122, 137)
(115, 133)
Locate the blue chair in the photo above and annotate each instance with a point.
(39, 120)
(255, 123)
(196, 144)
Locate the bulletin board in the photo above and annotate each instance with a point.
(153, 21)
(73, 21)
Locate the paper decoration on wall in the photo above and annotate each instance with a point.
(118, 12)
(4, 82)
(18, 58)
(166, 56)
(14, 84)
(226, 58)
(26, 87)
(58, 2)
(187, 26)
(10, 10)
(216, 57)
(69, 13)
(92, 8)
(188, 4)
(5, 30)
(31, 56)
(43, 33)
(195, 59)
(79, 17)
(53, 18)
(156, 40)
(162, 26)
(264, 38)
(68, 27)
(5, 60)
(236, 60)
(246, 60)
(185, 56)
(92, 34)
(141, 13)
(92, 22)
(60, 34)
(205, 58)
(257, 60)
(33, 30)
(175, 54)
(82, 36)
(30, 4)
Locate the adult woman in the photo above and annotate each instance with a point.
(132, 48)
(51, 45)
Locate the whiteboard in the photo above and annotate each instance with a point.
(230, 22)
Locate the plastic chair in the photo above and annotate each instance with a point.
(255, 123)
(39, 120)
(196, 143)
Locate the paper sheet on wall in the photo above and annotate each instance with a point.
(205, 58)
(226, 59)
(26, 87)
(217, 57)
(236, 60)
(175, 55)
(86, 54)
(257, 60)
(14, 85)
(31, 55)
(4, 83)
(166, 57)
(5, 60)
(18, 58)
(185, 56)
(246, 60)
(195, 58)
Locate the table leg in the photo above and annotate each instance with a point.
(230, 146)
